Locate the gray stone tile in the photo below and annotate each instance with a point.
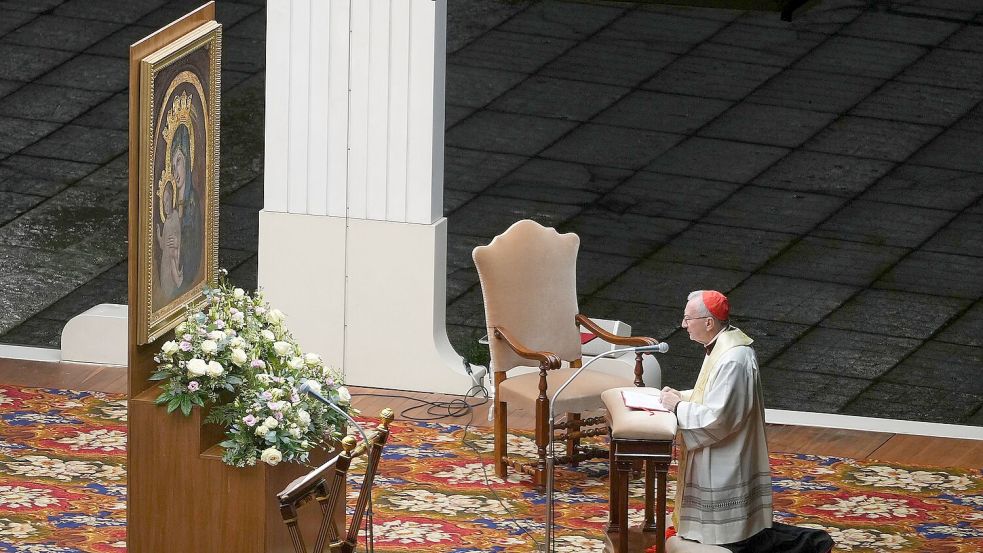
(624, 234)
(36, 331)
(831, 174)
(26, 63)
(50, 103)
(895, 313)
(969, 37)
(251, 26)
(507, 132)
(668, 284)
(872, 138)
(13, 204)
(572, 21)
(611, 146)
(860, 56)
(477, 86)
(918, 103)
(764, 124)
(488, 216)
(961, 236)
(772, 209)
(455, 114)
(662, 112)
(510, 51)
(78, 143)
(950, 9)
(815, 90)
(464, 340)
(785, 299)
(467, 310)
(229, 258)
(476, 170)
(110, 10)
(12, 19)
(17, 134)
(117, 45)
(882, 223)
(673, 196)
(941, 366)
(694, 11)
(114, 175)
(756, 44)
(227, 13)
(717, 159)
(559, 181)
(595, 269)
(741, 249)
(461, 283)
(246, 274)
(239, 228)
(954, 149)
(73, 216)
(965, 329)
(90, 294)
(251, 195)
(770, 337)
(796, 390)
(897, 27)
(844, 353)
(31, 6)
(90, 73)
(40, 177)
(459, 248)
(853, 263)
(621, 63)
(560, 98)
(661, 31)
(708, 77)
(61, 33)
(938, 274)
(112, 113)
(247, 55)
(923, 186)
(470, 19)
(901, 401)
(951, 68)
(645, 320)
(8, 87)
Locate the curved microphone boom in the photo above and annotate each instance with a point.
(305, 388)
(661, 347)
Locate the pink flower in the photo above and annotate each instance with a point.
(220, 324)
(193, 386)
(249, 420)
(186, 337)
(185, 346)
(278, 415)
(257, 364)
(266, 395)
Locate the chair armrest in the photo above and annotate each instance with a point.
(629, 341)
(548, 359)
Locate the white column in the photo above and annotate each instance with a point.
(352, 238)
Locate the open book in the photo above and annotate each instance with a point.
(639, 400)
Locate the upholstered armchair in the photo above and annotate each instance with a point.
(528, 281)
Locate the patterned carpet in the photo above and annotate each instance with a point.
(62, 490)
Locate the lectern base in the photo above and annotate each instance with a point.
(638, 541)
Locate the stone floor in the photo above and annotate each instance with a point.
(826, 173)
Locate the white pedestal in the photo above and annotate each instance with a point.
(98, 335)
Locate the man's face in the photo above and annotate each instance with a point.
(698, 327)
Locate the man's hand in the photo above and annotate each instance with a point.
(670, 398)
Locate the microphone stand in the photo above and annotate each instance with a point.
(551, 450)
(305, 388)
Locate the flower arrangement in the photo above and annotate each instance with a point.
(236, 356)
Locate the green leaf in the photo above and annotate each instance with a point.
(228, 444)
(164, 397)
(186, 405)
(173, 404)
(160, 375)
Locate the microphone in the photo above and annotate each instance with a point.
(305, 388)
(661, 347)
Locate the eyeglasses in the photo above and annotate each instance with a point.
(692, 318)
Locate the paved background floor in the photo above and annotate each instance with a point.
(826, 173)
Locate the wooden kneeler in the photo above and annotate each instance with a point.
(637, 436)
(314, 486)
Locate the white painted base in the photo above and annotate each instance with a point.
(870, 424)
(28, 353)
(98, 336)
(390, 280)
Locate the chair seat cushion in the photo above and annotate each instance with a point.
(583, 394)
(631, 424)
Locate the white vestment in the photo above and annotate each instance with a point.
(726, 478)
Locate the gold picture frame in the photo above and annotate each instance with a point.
(179, 111)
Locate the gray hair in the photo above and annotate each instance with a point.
(701, 308)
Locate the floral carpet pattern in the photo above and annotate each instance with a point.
(63, 490)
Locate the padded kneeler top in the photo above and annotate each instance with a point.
(633, 424)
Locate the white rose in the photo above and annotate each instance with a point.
(216, 335)
(304, 444)
(271, 456)
(169, 347)
(181, 328)
(304, 418)
(238, 317)
(295, 363)
(344, 395)
(275, 316)
(314, 386)
(238, 293)
(197, 367)
(267, 335)
(239, 357)
(215, 369)
(260, 310)
(282, 348)
(209, 346)
(261, 430)
(271, 422)
(312, 359)
(294, 432)
(237, 342)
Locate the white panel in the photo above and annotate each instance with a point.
(378, 115)
(277, 88)
(317, 146)
(419, 175)
(439, 80)
(337, 97)
(299, 98)
(358, 109)
(399, 72)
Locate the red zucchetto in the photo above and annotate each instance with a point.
(717, 304)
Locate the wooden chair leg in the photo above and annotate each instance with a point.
(649, 524)
(501, 450)
(624, 468)
(543, 439)
(573, 443)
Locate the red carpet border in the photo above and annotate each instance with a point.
(62, 490)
